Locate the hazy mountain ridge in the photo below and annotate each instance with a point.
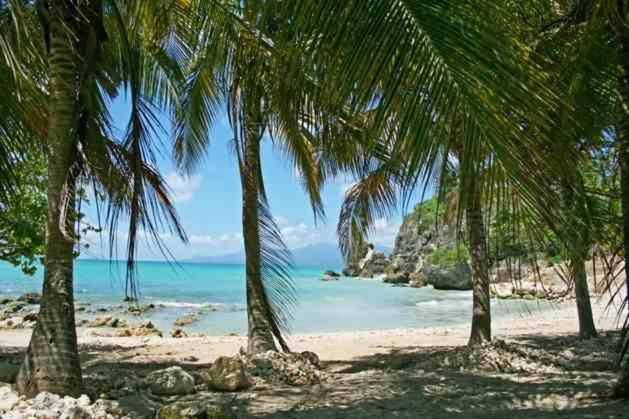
(324, 255)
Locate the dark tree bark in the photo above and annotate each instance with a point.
(52, 361)
(481, 315)
(587, 329)
(622, 142)
(259, 329)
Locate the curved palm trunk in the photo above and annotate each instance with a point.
(52, 361)
(260, 335)
(587, 329)
(622, 141)
(481, 315)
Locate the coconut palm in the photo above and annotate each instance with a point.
(91, 51)
(248, 61)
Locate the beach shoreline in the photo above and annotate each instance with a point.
(561, 320)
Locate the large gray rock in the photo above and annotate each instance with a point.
(457, 277)
(187, 410)
(30, 298)
(227, 374)
(397, 278)
(171, 381)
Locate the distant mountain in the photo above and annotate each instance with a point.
(321, 255)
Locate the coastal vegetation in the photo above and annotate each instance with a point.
(510, 123)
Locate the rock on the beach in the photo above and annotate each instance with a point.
(170, 382)
(187, 319)
(416, 280)
(456, 278)
(187, 410)
(287, 368)
(178, 333)
(328, 278)
(227, 374)
(51, 406)
(332, 274)
(108, 321)
(30, 298)
(145, 329)
(397, 278)
(8, 399)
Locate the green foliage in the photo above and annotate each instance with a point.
(448, 256)
(23, 216)
(427, 213)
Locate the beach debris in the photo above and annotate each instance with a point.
(187, 319)
(195, 410)
(47, 405)
(108, 321)
(327, 278)
(297, 369)
(30, 298)
(171, 381)
(227, 374)
(178, 333)
(12, 308)
(144, 329)
(138, 310)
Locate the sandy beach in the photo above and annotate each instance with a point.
(536, 367)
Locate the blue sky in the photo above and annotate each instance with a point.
(209, 201)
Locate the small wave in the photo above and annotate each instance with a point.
(428, 303)
(178, 304)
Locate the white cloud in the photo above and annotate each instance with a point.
(183, 187)
(201, 239)
(384, 232)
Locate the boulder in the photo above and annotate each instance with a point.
(286, 368)
(108, 321)
(30, 298)
(187, 319)
(145, 329)
(31, 317)
(178, 333)
(397, 278)
(138, 310)
(8, 399)
(332, 274)
(171, 381)
(4, 301)
(456, 278)
(351, 271)
(417, 280)
(227, 374)
(193, 410)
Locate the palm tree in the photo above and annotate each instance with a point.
(243, 62)
(91, 50)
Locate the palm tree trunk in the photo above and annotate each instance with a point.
(481, 315)
(622, 141)
(587, 329)
(52, 361)
(260, 335)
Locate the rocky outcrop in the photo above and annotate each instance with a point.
(227, 374)
(46, 405)
(426, 254)
(371, 264)
(194, 410)
(449, 278)
(296, 369)
(171, 381)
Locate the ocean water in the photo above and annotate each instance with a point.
(345, 305)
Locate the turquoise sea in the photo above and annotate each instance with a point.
(345, 305)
